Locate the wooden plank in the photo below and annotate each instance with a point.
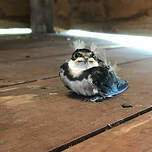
(134, 136)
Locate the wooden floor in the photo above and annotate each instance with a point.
(131, 137)
(38, 114)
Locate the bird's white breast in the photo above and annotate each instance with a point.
(84, 87)
(76, 69)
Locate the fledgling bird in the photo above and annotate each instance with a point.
(89, 76)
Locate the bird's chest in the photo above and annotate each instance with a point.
(82, 87)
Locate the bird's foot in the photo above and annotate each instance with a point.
(97, 99)
(94, 99)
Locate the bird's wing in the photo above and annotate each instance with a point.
(107, 82)
(63, 73)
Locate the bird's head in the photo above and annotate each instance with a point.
(83, 59)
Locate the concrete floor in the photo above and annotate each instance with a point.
(37, 113)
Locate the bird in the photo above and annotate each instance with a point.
(88, 76)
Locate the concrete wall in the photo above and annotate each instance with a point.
(69, 12)
(15, 7)
(99, 10)
(14, 13)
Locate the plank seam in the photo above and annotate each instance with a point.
(99, 131)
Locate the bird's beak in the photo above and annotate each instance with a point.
(86, 59)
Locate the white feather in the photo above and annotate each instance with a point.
(78, 44)
(93, 47)
(76, 69)
(101, 54)
(84, 87)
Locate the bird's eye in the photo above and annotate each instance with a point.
(76, 55)
(92, 55)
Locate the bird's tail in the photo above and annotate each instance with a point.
(118, 86)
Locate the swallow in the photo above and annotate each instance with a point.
(87, 75)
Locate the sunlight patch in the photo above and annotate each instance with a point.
(138, 42)
(15, 31)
